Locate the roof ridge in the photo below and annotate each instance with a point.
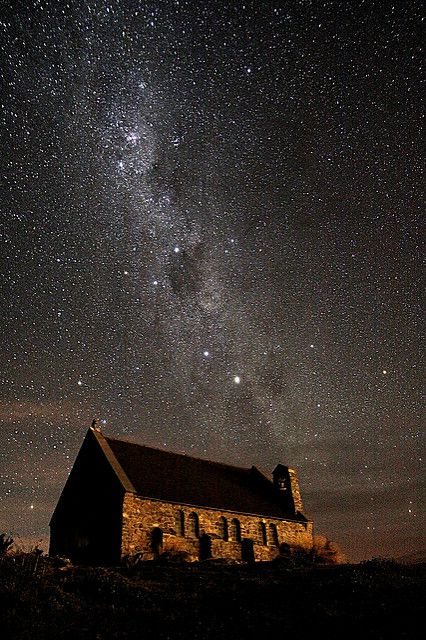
(182, 455)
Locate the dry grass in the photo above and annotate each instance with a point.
(43, 598)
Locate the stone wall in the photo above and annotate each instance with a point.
(142, 515)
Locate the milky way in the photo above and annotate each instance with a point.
(210, 241)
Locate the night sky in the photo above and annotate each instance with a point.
(210, 241)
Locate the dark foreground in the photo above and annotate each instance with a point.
(377, 599)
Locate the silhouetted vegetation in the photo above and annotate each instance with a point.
(48, 598)
(323, 552)
(6, 543)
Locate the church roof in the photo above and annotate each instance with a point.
(172, 477)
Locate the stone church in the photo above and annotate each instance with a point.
(122, 499)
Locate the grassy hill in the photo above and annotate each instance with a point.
(210, 600)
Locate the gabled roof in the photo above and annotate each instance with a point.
(172, 477)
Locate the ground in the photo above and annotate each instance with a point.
(377, 599)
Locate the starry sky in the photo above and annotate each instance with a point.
(210, 241)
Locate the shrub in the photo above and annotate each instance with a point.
(294, 556)
(325, 551)
(174, 551)
(133, 561)
(381, 565)
(6, 543)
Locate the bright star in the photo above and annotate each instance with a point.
(206, 353)
(79, 382)
(176, 249)
(237, 379)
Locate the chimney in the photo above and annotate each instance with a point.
(286, 482)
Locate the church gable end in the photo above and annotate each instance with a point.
(86, 524)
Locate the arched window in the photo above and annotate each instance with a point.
(193, 525)
(273, 535)
(205, 547)
(180, 523)
(156, 540)
(235, 530)
(263, 535)
(223, 528)
(247, 550)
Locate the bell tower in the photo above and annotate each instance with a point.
(286, 482)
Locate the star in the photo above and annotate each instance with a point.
(237, 379)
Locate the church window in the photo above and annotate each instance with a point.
(273, 535)
(156, 541)
(263, 535)
(235, 530)
(223, 528)
(193, 525)
(180, 523)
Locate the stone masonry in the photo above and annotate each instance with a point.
(142, 515)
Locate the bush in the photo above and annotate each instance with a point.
(381, 565)
(174, 550)
(294, 556)
(325, 551)
(6, 543)
(133, 561)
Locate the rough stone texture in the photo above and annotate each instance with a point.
(142, 515)
(295, 490)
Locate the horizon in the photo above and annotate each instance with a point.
(359, 553)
